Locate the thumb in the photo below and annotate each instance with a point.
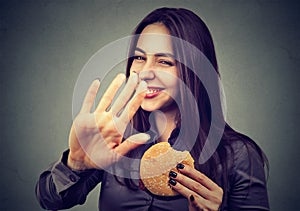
(132, 142)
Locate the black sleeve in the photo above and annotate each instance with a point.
(248, 189)
(60, 188)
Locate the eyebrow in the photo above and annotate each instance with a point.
(157, 54)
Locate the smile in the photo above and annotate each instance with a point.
(153, 92)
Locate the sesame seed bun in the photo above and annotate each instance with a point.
(156, 164)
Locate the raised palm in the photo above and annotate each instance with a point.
(95, 139)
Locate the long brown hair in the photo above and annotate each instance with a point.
(186, 25)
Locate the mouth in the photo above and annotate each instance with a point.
(153, 92)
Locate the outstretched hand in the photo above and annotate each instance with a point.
(95, 138)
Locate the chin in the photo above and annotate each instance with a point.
(149, 108)
(153, 106)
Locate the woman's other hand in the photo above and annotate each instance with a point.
(201, 192)
(95, 138)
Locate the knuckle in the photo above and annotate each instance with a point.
(89, 101)
(132, 108)
(219, 200)
(215, 198)
(201, 177)
(196, 187)
(122, 98)
(220, 191)
(215, 207)
(107, 98)
(93, 92)
(141, 96)
(115, 86)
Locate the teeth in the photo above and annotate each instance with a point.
(151, 91)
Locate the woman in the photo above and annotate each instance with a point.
(232, 178)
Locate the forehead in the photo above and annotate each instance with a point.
(155, 38)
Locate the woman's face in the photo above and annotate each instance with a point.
(155, 64)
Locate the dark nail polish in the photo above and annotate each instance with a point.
(192, 198)
(180, 166)
(172, 182)
(173, 174)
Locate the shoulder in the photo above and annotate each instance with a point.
(247, 180)
(243, 163)
(244, 156)
(246, 166)
(247, 187)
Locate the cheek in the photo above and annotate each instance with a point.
(173, 85)
(172, 81)
(172, 89)
(168, 77)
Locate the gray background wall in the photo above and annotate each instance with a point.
(44, 45)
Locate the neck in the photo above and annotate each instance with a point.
(165, 123)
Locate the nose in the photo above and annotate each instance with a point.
(146, 75)
(147, 71)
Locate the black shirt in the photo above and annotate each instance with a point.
(61, 188)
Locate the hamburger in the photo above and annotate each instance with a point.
(156, 164)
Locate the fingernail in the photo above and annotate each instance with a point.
(173, 174)
(96, 81)
(180, 166)
(140, 138)
(172, 182)
(147, 137)
(192, 198)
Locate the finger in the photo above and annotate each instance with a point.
(90, 96)
(191, 184)
(196, 206)
(200, 177)
(109, 94)
(185, 191)
(125, 95)
(196, 202)
(131, 143)
(192, 203)
(134, 104)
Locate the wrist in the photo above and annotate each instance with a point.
(76, 165)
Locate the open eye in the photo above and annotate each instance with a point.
(139, 58)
